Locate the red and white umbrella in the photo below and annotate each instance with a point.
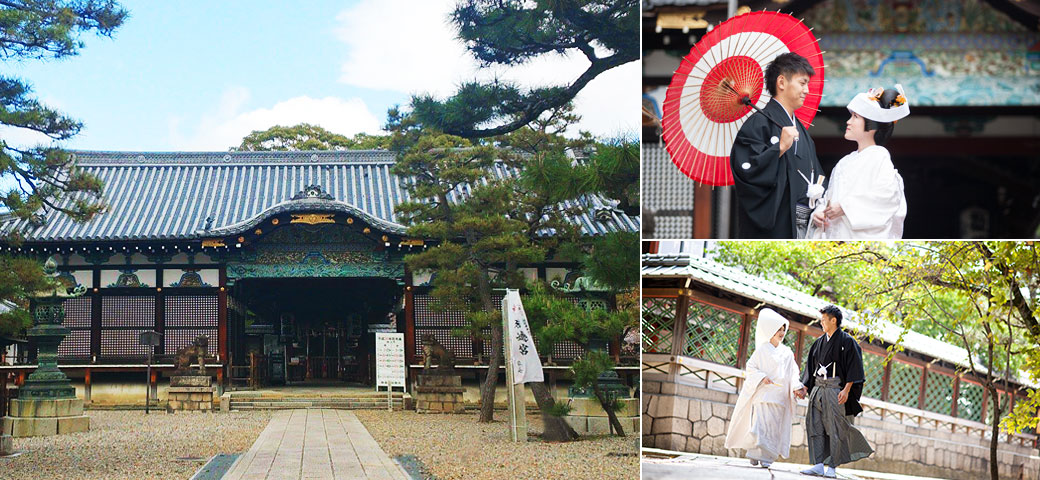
(721, 80)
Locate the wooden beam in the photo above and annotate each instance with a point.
(701, 211)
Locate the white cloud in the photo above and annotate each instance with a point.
(418, 53)
(225, 127)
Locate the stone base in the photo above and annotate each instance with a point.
(191, 381)
(190, 393)
(6, 445)
(587, 416)
(42, 426)
(590, 407)
(587, 425)
(439, 394)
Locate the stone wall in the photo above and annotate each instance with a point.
(695, 419)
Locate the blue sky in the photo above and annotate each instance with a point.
(199, 75)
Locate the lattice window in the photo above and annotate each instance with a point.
(462, 346)
(938, 394)
(123, 343)
(969, 401)
(77, 312)
(76, 345)
(427, 314)
(658, 323)
(712, 334)
(874, 371)
(182, 337)
(192, 311)
(904, 385)
(128, 312)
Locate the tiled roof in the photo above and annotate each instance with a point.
(667, 193)
(170, 195)
(750, 286)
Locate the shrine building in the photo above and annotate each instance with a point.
(287, 261)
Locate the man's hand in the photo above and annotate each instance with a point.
(819, 217)
(800, 393)
(843, 396)
(834, 210)
(787, 138)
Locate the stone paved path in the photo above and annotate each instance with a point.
(667, 465)
(315, 444)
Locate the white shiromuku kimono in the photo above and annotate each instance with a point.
(762, 418)
(870, 191)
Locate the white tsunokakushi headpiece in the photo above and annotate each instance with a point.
(768, 323)
(868, 105)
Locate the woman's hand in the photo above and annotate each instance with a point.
(819, 218)
(768, 382)
(834, 210)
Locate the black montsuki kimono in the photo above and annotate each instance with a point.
(768, 186)
(843, 350)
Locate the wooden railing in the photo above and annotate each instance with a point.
(724, 378)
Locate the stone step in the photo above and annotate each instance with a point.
(302, 405)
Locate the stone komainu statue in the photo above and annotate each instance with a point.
(433, 349)
(185, 355)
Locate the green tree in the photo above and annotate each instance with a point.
(553, 316)
(305, 136)
(514, 32)
(43, 178)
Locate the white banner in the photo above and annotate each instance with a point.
(390, 359)
(524, 361)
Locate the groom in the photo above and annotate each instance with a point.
(773, 167)
(834, 375)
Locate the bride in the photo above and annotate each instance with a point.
(865, 197)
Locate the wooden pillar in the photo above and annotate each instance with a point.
(702, 211)
(153, 382)
(222, 330)
(956, 395)
(95, 316)
(86, 385)
(679, 327)
(885, 379)
(924, 384)
(745, 329)
(409, 328)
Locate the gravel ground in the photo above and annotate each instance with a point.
(456, 446)
(132, 445)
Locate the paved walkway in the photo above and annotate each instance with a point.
(668, 465)
(313, 444)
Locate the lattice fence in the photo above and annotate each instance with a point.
(904, 385)
(806, 345)
(969, 401)
(712, 334)
(938, 394)
(76, 345)
(1004, 399)
(187, 317)
(874, 371)
(658, 323)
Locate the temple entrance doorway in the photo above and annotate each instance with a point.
(313, 331)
